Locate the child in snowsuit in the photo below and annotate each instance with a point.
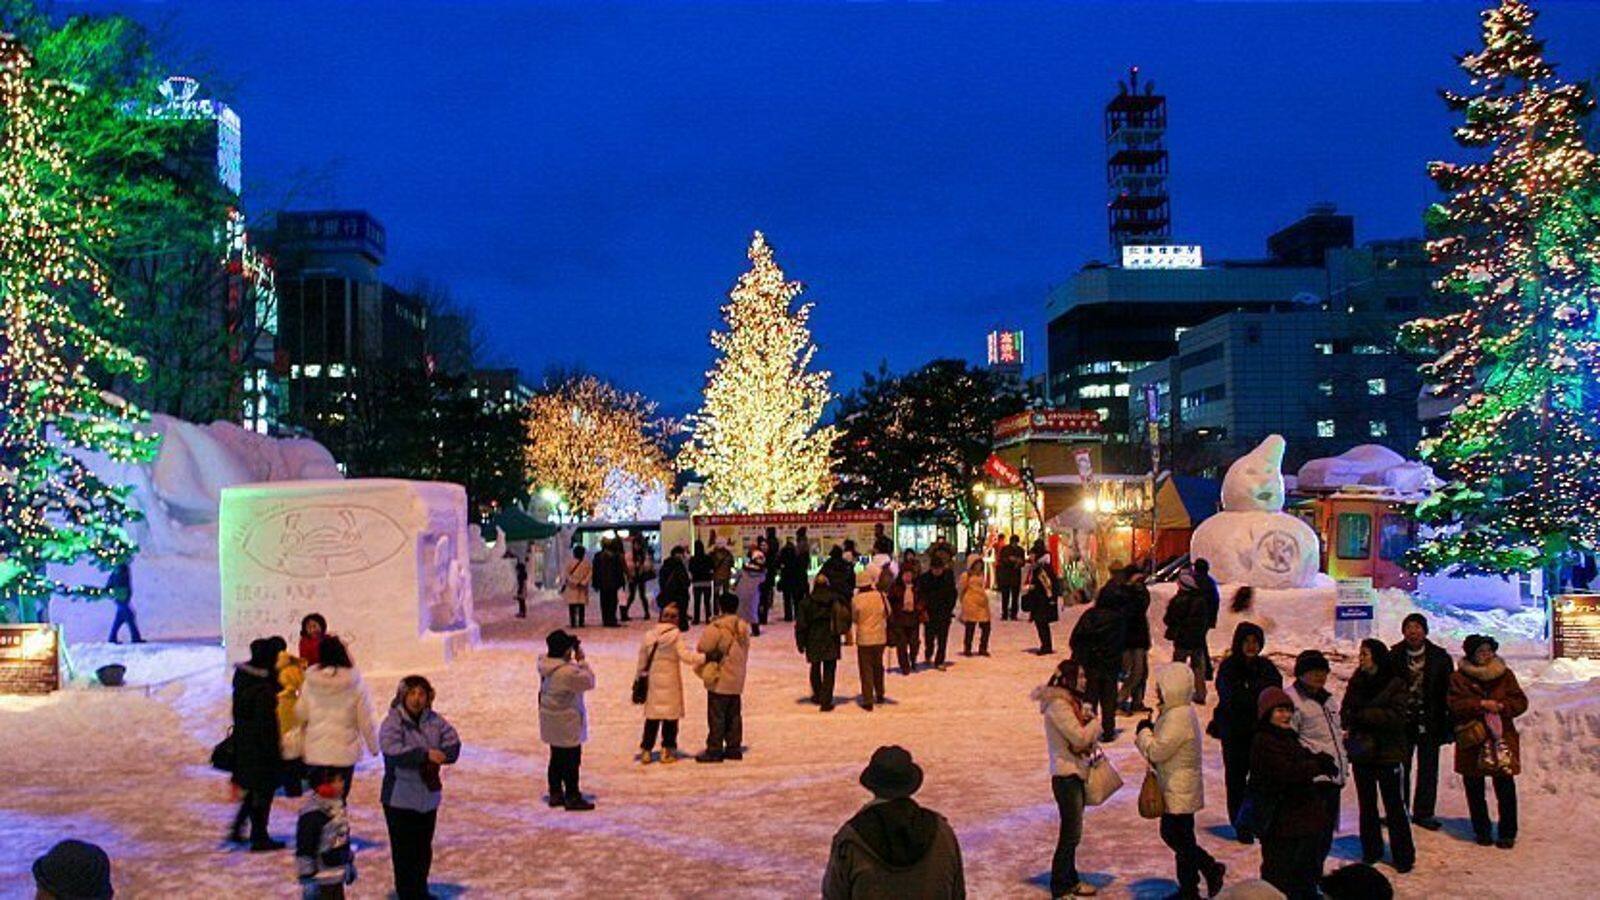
(323, 858)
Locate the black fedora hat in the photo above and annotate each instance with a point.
(891, 774)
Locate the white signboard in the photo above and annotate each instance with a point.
(1161, 256)
(1353, 609)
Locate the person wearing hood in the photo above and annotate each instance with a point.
(1188, 619)
(725, 644)
(73, 870)
(1241, 678)
(258, 760)
(1097, 644)
(752, 577)
(1316, 722)
(1426, 667)
(1285, 807)
(1070, 738)
(819, 614)
(1485, 700)
(416, 742)
(1374, 716)
(336, 711)
(869, 620)
(1171, 744)
(894, 847)
(291, 675)
(662, 655)
(564, 677)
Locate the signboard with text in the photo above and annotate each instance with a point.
(1161, 256)
(823, 529)
(1005, 348)
(1047, 423)
(1576, 626)
(334, 230)
(30, 659)
(1353, 609)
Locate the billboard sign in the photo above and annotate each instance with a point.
(1005, 348)
(1161, 256)
(334, 230)
(1047, 423)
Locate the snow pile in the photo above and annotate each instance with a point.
(146, 664)
(1371, 465)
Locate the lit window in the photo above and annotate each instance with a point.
(1323, 347)
(1095, 390)
(1104, 413)
(1325, 387)
(336, 370)
(1368, 350)
(1378, 428)
(1377, 387)
(1120, 390)
(1324, 428)
(313, 371)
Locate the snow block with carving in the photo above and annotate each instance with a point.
(1253, 541)
(384, 560)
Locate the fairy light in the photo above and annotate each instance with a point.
(756, 439)
(1518, 240)
(597, 446)
(53, 510)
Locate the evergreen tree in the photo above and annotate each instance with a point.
(756, 440)
(1516, 339)
(53, 510)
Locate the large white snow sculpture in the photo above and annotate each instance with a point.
(1253, 541)
(384, 560)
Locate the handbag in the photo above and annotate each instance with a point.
(1103, 780)
(223, 755)
(1471, 734)
(641, 683)
(1151, 804)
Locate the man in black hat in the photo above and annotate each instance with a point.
(73, 870)
(893, 847)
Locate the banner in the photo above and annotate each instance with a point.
(1047, 423)
(823, 529)
(1002, 471)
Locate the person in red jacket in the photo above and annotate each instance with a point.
(1484, 700)
(313, 629)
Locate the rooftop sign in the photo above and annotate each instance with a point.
(1161, 256)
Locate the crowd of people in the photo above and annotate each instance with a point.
(302, 720)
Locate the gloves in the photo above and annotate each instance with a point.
(1326, 764)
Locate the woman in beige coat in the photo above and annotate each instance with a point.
(662, 656)
(576, 587)
(974, 607)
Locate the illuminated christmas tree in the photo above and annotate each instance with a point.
(53, 510)
(599, 448)
(756, 441)
(1515, 343)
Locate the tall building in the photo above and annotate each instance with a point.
(1138, 209)
(1109, 321)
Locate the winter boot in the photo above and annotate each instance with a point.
(1213, 875)
(644, 757)
(577, 803)
(669, 756)
(265, 845)
(708, 756)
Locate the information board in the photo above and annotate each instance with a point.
(1576, 621)
(30, 659)
(1353, 610)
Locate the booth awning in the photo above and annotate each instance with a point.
(519, 526)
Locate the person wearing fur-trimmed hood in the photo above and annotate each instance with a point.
(1485, 700)
(1069, 730)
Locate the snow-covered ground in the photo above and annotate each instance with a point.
(127, 769)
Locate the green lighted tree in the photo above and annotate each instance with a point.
(53, 510)
(1515, 342)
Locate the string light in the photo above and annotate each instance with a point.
(597, 446)
(53, 510)
(756, 440)
(1519, 243)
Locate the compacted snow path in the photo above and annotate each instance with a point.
(127, 769)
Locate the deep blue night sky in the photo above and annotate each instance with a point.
(587, 176)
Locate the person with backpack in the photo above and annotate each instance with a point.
(975, 614)
(324, 860)
(576, 588)
(725, 643)
(564, 677)
(1374, 716)
(869, 619)
(1097, 644)
(417, 742)
(1244, 673)
(816, 635)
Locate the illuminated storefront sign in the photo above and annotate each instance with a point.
(1047, 423)
(1005, 348)
(1161, 256)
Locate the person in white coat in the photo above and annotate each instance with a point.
(1069, 733)
(1316, 723)
(336, 711)
(662, 656)
(564, 677)
(1171, 744)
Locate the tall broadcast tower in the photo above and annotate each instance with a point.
(1138, 207)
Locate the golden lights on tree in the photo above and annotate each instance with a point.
(600, 448)
(53, 293)
(1517, 343)
(756, 440)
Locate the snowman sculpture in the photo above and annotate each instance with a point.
(1253, 541)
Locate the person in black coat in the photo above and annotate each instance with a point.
(792, 574)
(610, 576)
(701, 587)
(1008, 577)
(675, 586)
(1426, 668)
(840, 572)
(1188, 620)
(1039, 602)
(257, 757)
(1244, 673)
(1097, 643)
(1374, 717)
(1136, 653)
(816, 635)
(937, 587)
(1284, 805)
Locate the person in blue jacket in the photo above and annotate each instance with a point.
(416, 742)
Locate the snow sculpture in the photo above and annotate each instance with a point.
(1368, 464)
(1253, 541)
(384, 560)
